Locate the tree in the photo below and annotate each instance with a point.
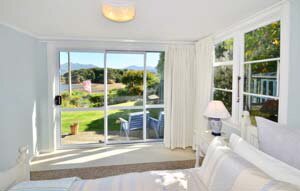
(134, 81)
(160, 65)
(263, 42)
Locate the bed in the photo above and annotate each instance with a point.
(237, 166)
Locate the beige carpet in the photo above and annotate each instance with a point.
(104, 171)
(109, 155)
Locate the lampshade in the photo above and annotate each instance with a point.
(118, 11)
(216, 109)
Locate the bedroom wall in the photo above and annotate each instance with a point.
(22, 72)
(293, 118)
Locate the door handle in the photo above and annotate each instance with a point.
(57, 100)
(238, 89)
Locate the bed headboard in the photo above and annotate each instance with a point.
(248, 131)
(18, 173)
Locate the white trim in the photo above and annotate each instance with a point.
(58, 39)
(260, 95)
(227, 63)
(82, 109)
(264, 60)
(105, 100)
(124, 107)
(221, 89)
(145, 97)
(284, 63)
(240, 66)
(52, 39)
(19, 30)
(158, 106)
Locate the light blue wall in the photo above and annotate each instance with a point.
(23, 79)
(293, 117)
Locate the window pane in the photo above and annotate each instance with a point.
(224, 51)
(264, 107)
(225, 97)
(261, 78)
(263, 43)
(125, 78)
(86, 79)
(125, 125)
(155, 77)
(223, 77)
(155, 123)
(90, 125)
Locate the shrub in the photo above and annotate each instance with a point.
(96, 100)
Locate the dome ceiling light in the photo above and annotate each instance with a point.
(118, 11)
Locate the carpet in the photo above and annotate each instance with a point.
(105, 171)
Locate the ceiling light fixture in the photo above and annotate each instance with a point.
(118, 11)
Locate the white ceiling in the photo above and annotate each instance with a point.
(155, 19)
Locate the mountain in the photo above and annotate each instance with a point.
(149, 68)
(75, 66)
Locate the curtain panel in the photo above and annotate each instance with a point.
(178, 123)
(202, 76)
(188, 72)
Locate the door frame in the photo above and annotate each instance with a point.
(106, 108)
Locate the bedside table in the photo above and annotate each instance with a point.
(204, 140)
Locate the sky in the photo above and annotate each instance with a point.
(114, 60)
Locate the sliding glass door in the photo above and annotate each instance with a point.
(111, 97)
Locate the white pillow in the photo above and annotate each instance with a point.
(223, 170)
(279, 141)
(271, 166)
(251, 180)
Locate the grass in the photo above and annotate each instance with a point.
(94, 120)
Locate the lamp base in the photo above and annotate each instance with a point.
(216, 126)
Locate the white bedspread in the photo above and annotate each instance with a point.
(175, 180)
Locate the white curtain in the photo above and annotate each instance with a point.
(202, 76)
(178, 117)
(188, 72)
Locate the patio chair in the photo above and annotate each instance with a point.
(134, 123)
(158, 124)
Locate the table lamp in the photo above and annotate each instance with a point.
(216, 111)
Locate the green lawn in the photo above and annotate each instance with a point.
(94, 120)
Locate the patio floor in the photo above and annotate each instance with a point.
(88, 137)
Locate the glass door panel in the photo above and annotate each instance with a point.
(82, 127)
(155, 77)
(125, 125)
(111, 97)
(81, 89)
(155, 123)
(125, 76)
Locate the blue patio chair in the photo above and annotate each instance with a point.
(134, 123)
(158, 124)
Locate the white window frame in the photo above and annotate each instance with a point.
(107, 107)
(226, 63)
(53, 48)
(279, 12)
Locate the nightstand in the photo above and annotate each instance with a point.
(204, 139)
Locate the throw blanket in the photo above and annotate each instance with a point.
(175, 180)
(63, 184)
